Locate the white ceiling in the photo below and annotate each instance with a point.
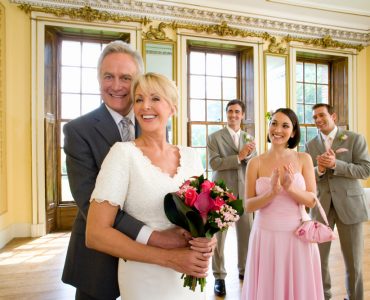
(344, 14)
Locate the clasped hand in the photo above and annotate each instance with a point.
(286, 182)
(247, 150)
(326, 160)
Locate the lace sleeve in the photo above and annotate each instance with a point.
(112, 181)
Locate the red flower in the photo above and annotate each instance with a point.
(207, 185)
(190, 197)
(218, 203)
(204, 204)
(231, 196)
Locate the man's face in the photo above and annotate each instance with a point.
(235, 116)
(323, 120)
(116, 74)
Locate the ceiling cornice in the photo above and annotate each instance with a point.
(198, 15)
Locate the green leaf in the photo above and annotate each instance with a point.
(237, 205)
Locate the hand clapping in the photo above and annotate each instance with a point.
(326, 160)
(275, 181)
(288, 177)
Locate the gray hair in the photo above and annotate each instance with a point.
(122, 47)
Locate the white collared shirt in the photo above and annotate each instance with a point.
(331, 135)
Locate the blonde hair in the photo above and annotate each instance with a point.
(159, 83)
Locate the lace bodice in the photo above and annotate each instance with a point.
(129, 179)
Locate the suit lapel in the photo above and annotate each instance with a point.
(337, 141)
(229, 140)
(319, 143)
(106, 126)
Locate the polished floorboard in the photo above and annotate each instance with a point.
(31, 268)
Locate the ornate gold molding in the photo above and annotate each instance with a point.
(85, 13)
(275, 47)
(156, 33)
(324, 42)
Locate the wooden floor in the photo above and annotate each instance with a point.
(30, 269)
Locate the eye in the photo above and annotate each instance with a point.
(107, 77)
(156, 98)
(127, 78)
(138, 99)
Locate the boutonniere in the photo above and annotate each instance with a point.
(268, 115)
(341, 150)
(343, 137)
(247, 137)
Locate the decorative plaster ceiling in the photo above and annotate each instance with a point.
(346, 21)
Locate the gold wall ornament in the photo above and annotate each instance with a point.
(275, 47)
(157, 33)
(85, 13)
(220, 29)
(324, 42)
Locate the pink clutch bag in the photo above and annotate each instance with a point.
(312, 231)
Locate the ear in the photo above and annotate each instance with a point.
(334, 117)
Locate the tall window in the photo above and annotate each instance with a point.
(213, 81)
(79, 91)
(313, 87)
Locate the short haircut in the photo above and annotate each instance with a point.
(328, 107)
(121, 47)
(236, 101)
(159, 83)
(293, 141)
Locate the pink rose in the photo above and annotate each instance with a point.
(231, 196)
(207, 185)
(204, 203)
(190, 197)
(218, 203)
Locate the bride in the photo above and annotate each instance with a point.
(135, 177)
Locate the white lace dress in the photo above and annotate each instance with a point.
(129, 179)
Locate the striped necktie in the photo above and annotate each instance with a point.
(125, 131)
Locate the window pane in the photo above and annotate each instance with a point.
(213, 128)
(322, 74)
(303, 135)
(89, 103)
(229, 65)
(309, 72)
(202, 154)
(197, 63)
(70, 106)
(300, 113)
(229, 88)
(299, 92)
(299, 71)
(311, 132)
(198, 135)
(197, 84)
(224, 117)
(90, 54)
(322, 93)
(90, 82)
(310, 93)
(308, 114)
(71, 80)
(213, 87)
(214, 111)
(66, 192)
(62, 134)
(213, 64)
(197, 110)
(71, 53)
(63, 167)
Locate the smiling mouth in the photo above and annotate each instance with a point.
(148, 117)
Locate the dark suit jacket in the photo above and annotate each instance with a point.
(342, 186)
(87, 141)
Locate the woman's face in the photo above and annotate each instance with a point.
(280, 129)
(151, 109)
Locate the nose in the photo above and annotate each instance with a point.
(116, 84)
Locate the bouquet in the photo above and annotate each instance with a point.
(203, 208)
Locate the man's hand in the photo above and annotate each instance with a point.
(326, 160)
(171, 238)
(247, 150)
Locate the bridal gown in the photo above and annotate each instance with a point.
(279, 265)
(129, 179)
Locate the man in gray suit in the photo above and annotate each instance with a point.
(229, 151)
(341, 158)
(87, 142)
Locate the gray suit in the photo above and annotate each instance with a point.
(344, 202)
(87, 142)
(223, 159)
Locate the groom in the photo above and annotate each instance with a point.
(341, 159)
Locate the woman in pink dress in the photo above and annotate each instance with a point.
(279, 265)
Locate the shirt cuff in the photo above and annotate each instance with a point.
(144, 235)
(319, 173)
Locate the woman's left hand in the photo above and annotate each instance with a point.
(288, 177)
(204, 245)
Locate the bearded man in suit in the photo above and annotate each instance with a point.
(341, 159)
(87, 142)
(229, 152)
